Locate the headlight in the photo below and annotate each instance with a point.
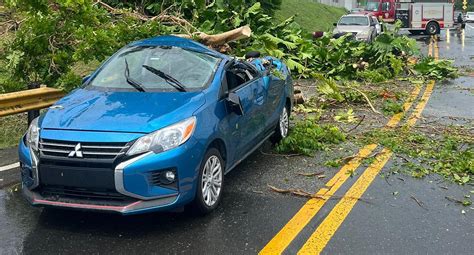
(32, 135)
(164, 139)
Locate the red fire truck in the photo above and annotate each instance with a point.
(418, 17)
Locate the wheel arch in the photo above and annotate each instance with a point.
(219, 144)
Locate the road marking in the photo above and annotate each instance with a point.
(289, 232)
(331, 223)
(328, 227)
(421, 105)
(436, 48)
(430, 47)
(407, 105)
(8, 167)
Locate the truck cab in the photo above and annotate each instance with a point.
(382, 9)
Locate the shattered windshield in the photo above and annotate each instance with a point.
(353, 21)
(156, 68)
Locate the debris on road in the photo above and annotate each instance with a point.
(311, 174)
(420, 203)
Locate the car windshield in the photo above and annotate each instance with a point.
(372, 6)
(353, 21)
(155, 68)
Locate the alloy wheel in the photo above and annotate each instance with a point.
(211, 180)
(284, 122)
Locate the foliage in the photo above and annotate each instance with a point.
(345, 116)
(391, 107)
(307, 137)
(447, 153)
(436, 69)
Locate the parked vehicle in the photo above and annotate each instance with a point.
(156, 127)
(418, 17)
(469, 17)
(361, 26)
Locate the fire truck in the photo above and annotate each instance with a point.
(427, 17)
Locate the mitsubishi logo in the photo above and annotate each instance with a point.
(76, 152)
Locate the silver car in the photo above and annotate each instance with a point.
(469, 17)
(361, 26)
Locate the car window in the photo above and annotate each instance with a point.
(374, 20)
(353, 21)
(192, 69)
(385, 6)
(239, 74)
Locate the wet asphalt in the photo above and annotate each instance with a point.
(250, 215)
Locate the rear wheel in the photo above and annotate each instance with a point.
(432, 28)
(211, 180)
(283, 126)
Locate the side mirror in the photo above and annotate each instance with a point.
(85, 79)
(233, 101)
(334, 24)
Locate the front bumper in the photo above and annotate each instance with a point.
(131, 178)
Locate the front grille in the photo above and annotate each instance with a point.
(84, 196)
(85, 176)
(91, 150)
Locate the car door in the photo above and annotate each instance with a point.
(378, 27)
(244, 129)
(274, 85)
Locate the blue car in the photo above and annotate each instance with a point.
(156, 127)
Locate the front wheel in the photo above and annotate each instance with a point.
(283, 126)
(211, 180)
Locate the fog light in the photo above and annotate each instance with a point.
(170, 176)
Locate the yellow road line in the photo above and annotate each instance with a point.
(288, 233)
(421, 105)
(326, 230)
(436, 48)
(331, 223)
(409, 102)
(430, 47)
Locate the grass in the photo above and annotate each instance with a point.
(11, 129)
(312, 16)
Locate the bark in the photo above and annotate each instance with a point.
(223, 38)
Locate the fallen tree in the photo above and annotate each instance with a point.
(191, 31)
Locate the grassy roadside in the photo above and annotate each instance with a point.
(11, 129)
(312, 16)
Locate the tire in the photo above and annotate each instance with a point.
(432, 28)
(415, 32)
(206, 202)
(281, 130)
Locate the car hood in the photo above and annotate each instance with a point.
(350, 29)
(136, 112)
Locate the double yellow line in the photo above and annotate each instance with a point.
(328, 227)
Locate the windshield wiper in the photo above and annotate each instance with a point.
(168, 78)
(131, 81)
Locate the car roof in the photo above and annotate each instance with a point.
(171, 40)
(356, 15)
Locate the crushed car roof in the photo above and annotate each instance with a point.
(170, 40)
